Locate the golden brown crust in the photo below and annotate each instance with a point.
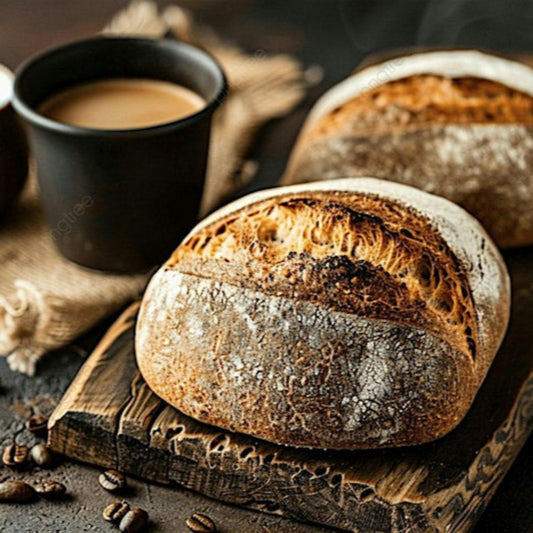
(427, 99)
(302, 316)
(349, 253)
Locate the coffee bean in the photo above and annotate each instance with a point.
(15, 455)
(200, 523)
(16, 491)
(42, 455)
(134, 520)
(38, 425)
(112, 480)
(51, 489)
(116, 511)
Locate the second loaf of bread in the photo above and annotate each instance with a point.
(345, 314)
(457, 123)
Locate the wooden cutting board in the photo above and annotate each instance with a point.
(110, 418)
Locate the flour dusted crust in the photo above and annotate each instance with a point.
(466, 134)
(343, 314)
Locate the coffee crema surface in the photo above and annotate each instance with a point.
(122, 104)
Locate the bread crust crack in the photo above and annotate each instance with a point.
(341, 254)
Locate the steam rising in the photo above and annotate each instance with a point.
(374, 25)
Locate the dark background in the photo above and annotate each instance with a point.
(335, 34)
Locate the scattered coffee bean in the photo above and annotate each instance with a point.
(15, 455)
(116, 511)
(37, 425)
(134, 520)
(42, 455)
(16, 491)
(51, 489)
(200, 523)
(112, 480)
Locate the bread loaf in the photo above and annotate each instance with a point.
(457, 123)
(342, 314)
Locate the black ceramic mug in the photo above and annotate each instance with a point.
(13, 148)
(119, 200)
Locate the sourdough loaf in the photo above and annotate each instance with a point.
(343, 314)
(457, 123)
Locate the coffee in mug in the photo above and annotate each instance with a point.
(140, 186)
(119, 104)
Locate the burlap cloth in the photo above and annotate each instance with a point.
(46, 301)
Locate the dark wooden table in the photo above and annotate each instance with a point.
(317, 31)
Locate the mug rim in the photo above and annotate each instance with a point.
(8, 75)
(36, 118)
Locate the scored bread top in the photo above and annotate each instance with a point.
(426, 99)
(445, 64)
(362, 246)
(349, 253)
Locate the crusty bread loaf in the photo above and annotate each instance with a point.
(458, 124)
(344, 314)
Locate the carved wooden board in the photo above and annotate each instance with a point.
(110, 418)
